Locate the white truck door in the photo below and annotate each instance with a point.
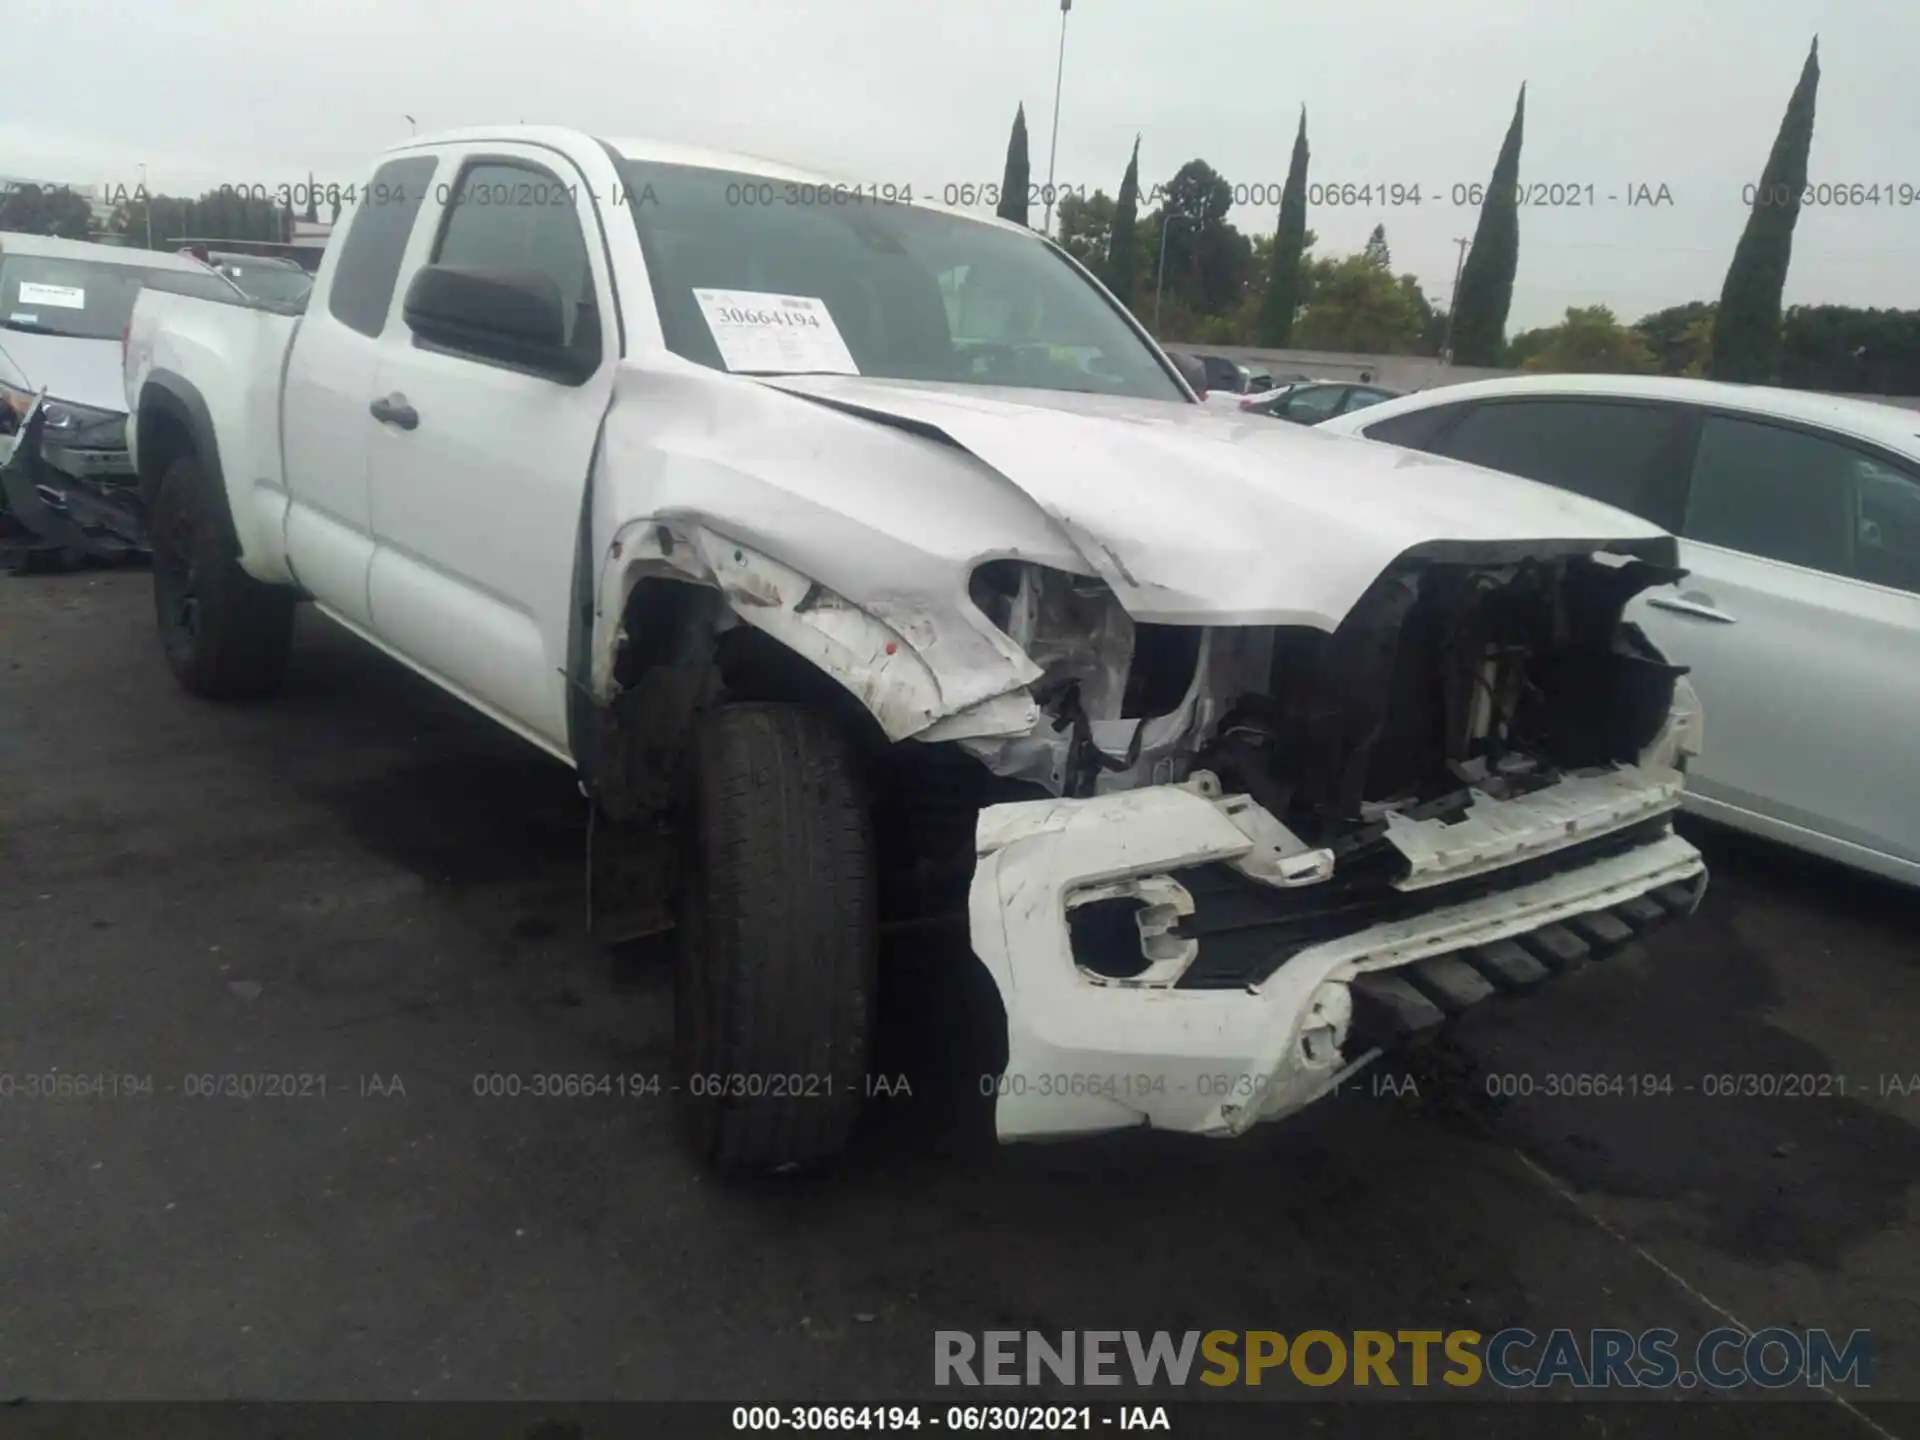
(479, 467)
(1802, 623)
(325, 424)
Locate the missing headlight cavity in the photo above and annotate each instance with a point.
(1082, 637)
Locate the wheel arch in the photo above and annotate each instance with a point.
(173, 421)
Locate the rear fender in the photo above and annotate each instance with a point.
(173, 420)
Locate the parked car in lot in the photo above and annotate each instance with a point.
(271, 278)
(1315, 401)
(1799, 525)
(872, 566)
(1223, 374)
(66, 484)
(1218, 381)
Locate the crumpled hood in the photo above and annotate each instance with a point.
(1195, 517)
(87, 372)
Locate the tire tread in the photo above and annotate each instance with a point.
(246, 628)
(790, 925)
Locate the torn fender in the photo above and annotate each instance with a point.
(876, 662)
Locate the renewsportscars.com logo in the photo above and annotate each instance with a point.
(1513, 1359)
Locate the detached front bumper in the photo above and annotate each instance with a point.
(1170, 958)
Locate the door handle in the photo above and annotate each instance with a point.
(394, 410)
(1693, 603)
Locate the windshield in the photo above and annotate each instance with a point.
(762, 276)
(268, 282)
(86, 299)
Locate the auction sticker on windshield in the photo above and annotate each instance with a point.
(61, 297)
(761, 333)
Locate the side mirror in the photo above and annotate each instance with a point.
(514, 316)
(1191, 370)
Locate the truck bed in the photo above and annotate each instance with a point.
(223, 363)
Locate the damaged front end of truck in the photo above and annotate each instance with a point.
(1331, 842)
(1223, 812)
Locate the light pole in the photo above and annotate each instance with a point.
(412, 126)
(1453, 305)
(1053, 146)
(146, 204)
(1160, 270)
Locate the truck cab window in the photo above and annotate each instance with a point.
(516, 217)
(363, 280)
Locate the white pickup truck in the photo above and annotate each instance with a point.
(869, 562)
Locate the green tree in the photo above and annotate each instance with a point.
(1121, 267)
(45, 210)
(1746, 332)
(1839, 347)
(1356, 304)
(1376, 251)
(1284, 275)
(1589, 341)
(1206, 257)
(1014, 183)
(1486, 281)
(1524, 346)
(1086, 227)
(1672, 335)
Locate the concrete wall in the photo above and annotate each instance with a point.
(1400, 372)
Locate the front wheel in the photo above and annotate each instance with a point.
(774, 984)
(226, 635)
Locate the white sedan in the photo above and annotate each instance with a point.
(1799, 521)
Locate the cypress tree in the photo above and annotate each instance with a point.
(1013, 186)
(1486, 281)
(1120, 242)
(1746, 327)
(1282, 299)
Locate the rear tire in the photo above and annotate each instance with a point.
(774, 984)
(226, 635)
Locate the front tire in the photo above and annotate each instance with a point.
(226, 635)
(774, 984)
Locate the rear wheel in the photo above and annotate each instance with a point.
(226, 635)
(774, 983)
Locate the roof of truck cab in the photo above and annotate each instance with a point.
(1893, 425)
(669, 152)
(16, 242)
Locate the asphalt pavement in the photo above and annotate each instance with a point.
(363, 886)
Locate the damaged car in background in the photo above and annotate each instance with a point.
(874, 569)
(67, 490)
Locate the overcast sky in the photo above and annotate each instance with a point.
(1685, 93)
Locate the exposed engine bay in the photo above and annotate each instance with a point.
(1280, 851)
(1446, 675)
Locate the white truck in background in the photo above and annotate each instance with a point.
(872, 563)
